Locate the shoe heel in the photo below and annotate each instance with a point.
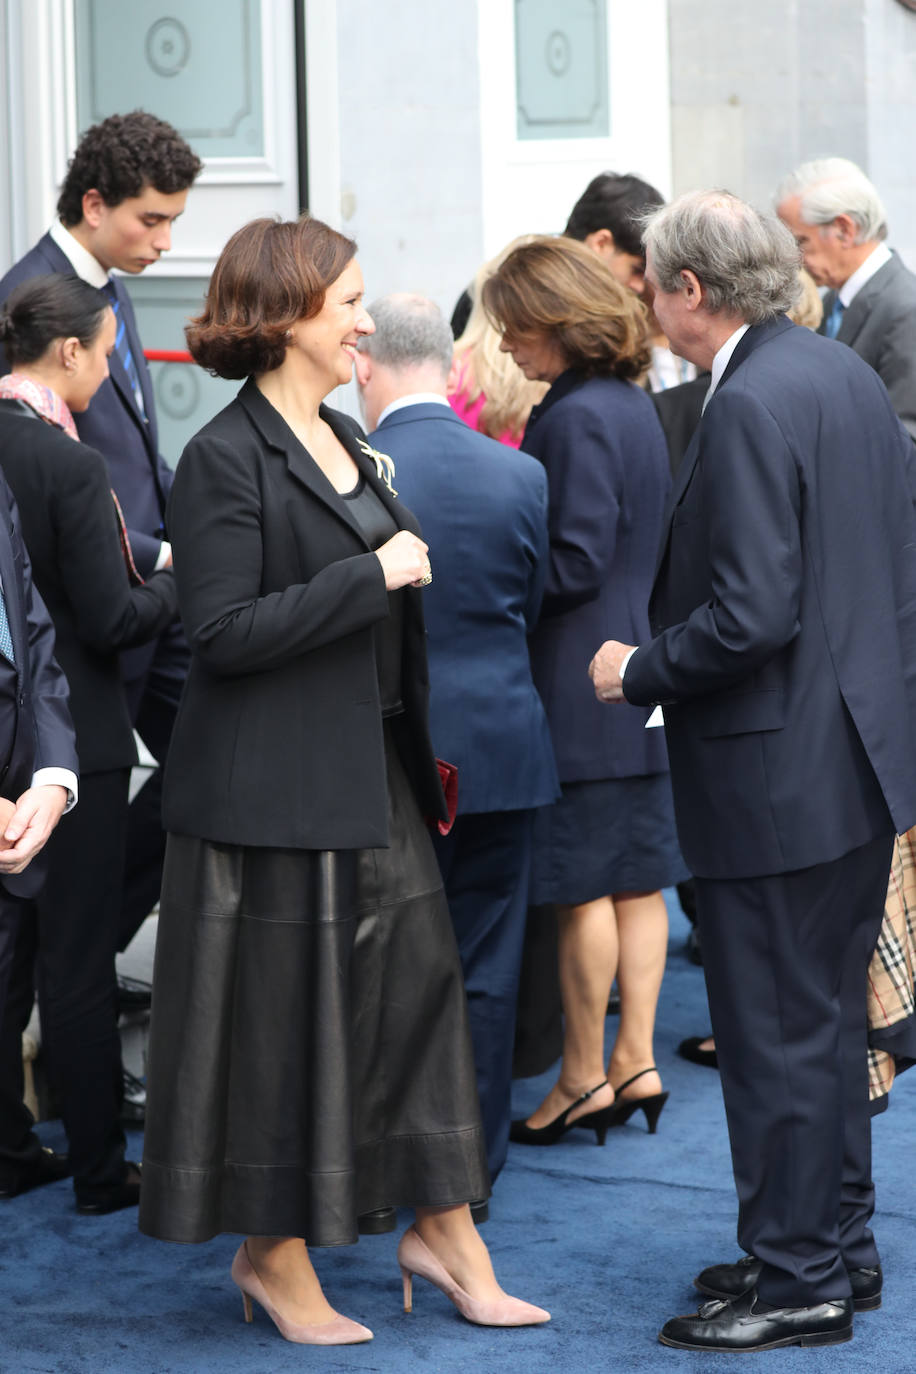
(600, 1135)
(407, 1280)
(652, 1109)
(246, 1304)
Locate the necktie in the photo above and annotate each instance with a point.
(834, 319)
(122, 345)
(6, 639)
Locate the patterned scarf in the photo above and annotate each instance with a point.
(41, 399)
(55, 411)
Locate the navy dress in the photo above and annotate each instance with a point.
(601, 443)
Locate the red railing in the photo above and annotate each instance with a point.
(166, 355)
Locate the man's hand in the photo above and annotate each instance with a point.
(37, 812)
(604, 670)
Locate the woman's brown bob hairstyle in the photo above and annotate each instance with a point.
(270, 274)
(559, 288)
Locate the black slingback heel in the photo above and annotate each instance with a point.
(599, 1121)
(624, 1108)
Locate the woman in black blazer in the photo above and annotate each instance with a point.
(603, 851)
(58, 332)
(310, 1060)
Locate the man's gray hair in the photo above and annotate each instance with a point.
(834, 186)
(408, 330)
(746, 262)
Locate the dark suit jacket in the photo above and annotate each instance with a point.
(607, 475)
(278, 740)
(679, 409)
(880, 325)
(784, 614)
(483, 510)
(35, 726)
(69, 526)
(113, 424)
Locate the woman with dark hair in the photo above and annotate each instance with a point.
(310, 1061)
(57, 332)
(608, 845)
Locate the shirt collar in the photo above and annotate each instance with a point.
(722, 359)
(419, 398)
(864, 273)
(80, 259)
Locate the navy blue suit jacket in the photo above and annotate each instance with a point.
(607, 471)
(483, 511)
(113, 424)
(35, 726)
(784, 614)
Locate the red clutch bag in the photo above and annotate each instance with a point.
(448, 776)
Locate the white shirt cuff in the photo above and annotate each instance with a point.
(58, 777)
(623, 666)
(165, 553)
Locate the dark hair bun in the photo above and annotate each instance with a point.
(43, 309)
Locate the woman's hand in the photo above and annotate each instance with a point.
(404, 561)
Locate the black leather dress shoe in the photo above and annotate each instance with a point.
(378, 1222)
(98, 1202)
(690, 1050)
(736, 1326)
(47, 1168)
(733, 1280)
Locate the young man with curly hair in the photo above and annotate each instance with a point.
(125, 187)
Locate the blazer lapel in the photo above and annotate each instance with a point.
(856, 316)
(303, 467)
(756, 336)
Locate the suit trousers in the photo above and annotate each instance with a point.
(484, 862)
(786, 960)
(65, 947)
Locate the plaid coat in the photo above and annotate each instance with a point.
(892, 977)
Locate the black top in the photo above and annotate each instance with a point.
(378, 527)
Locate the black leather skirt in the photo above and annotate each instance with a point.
(309, 1051)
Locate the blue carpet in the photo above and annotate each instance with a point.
(608, 1239)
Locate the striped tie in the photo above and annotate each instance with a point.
(6, 639)
(122, 345)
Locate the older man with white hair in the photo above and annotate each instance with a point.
(839, 222)
(784, 653)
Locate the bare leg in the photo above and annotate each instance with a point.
(455, 1241)
(642, 928)
(587, 961)
(283, 1266)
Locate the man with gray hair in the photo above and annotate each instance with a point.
(840, 225)
(483, 508)
(784, 654)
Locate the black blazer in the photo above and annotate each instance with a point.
(113, 424)
(278, 740)
(69, 525)
(35, 726)
(784, 614)
(602, 446)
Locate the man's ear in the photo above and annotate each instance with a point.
(692, 289)
(602, 242)
(363, 367)
(453, 380)
(846, 229)
(93, 208)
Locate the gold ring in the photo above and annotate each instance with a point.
(426, 579)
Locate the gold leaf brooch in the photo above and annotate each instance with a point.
(384, 466)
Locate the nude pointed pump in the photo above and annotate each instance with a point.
(340, 1331)
(415, 1257)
